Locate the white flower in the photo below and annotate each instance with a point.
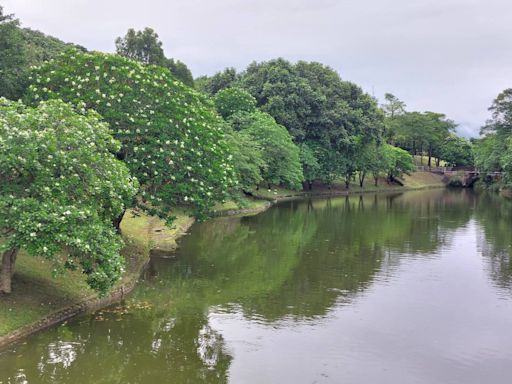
(33, 234)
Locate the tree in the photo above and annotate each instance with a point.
(248, 158)
(316, 106)
(13, 60)
(493, 151)
(310, 165)
(144, 46)
(22, 48)
(60, 188)
(232, 100)
(400, 162)
(221, 80)
(393, 106)
(421, 132)
(456, 151)
(281, 155)
(172, 139)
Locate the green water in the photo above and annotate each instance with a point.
(403, 288)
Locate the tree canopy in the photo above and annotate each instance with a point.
(280, 154)
(322, 113)
(60, 188)
(22, 48)
(145, 46)
(493, 152)
(172, 139)
(232, 100)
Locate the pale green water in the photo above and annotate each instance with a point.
(411, 288)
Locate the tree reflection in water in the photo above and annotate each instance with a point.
(293, 263)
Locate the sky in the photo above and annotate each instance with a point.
(447, 56)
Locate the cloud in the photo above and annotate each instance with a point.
(451, 56)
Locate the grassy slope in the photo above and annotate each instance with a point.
(37, 294)
(417, 180)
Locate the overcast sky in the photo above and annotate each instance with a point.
(449, 56)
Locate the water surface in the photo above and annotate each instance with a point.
(402, 288)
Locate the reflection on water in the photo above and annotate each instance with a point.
(399, 288)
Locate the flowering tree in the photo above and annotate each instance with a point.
(171, 137)
(60, 188)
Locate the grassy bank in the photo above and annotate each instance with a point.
(416, 180)
(38, 299)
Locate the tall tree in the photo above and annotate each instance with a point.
(421, 133)
(60, 188)
(145, 46)
(393, 106)
(316, 106)
(13, 60)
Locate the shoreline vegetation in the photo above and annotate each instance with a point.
(40, 301)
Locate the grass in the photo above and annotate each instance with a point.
(423, 160)
(417, 180)
(37, 294)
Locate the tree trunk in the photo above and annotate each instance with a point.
(117, 222)
(438, 161)
(376, 179)
(361, 178)
(310, 184)
(8, 262)
(429, 157)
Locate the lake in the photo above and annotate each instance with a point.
(390, 288)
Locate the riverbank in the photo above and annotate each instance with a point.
(414, 181)
(39, 301)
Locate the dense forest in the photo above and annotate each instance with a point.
(84, 136)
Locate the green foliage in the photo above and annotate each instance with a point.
(248, 159)
(144, 46)
(311, 101)
(61, 187)
(393, 105)
(310, 164)
(13, 61)
(400, 161)
(456, 151)
(22, 48)
(221, 80)
(420, 132)
(171, 137)
(280, 154)
(493, 152)
(232, 100)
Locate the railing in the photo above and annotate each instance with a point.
(450, 171)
